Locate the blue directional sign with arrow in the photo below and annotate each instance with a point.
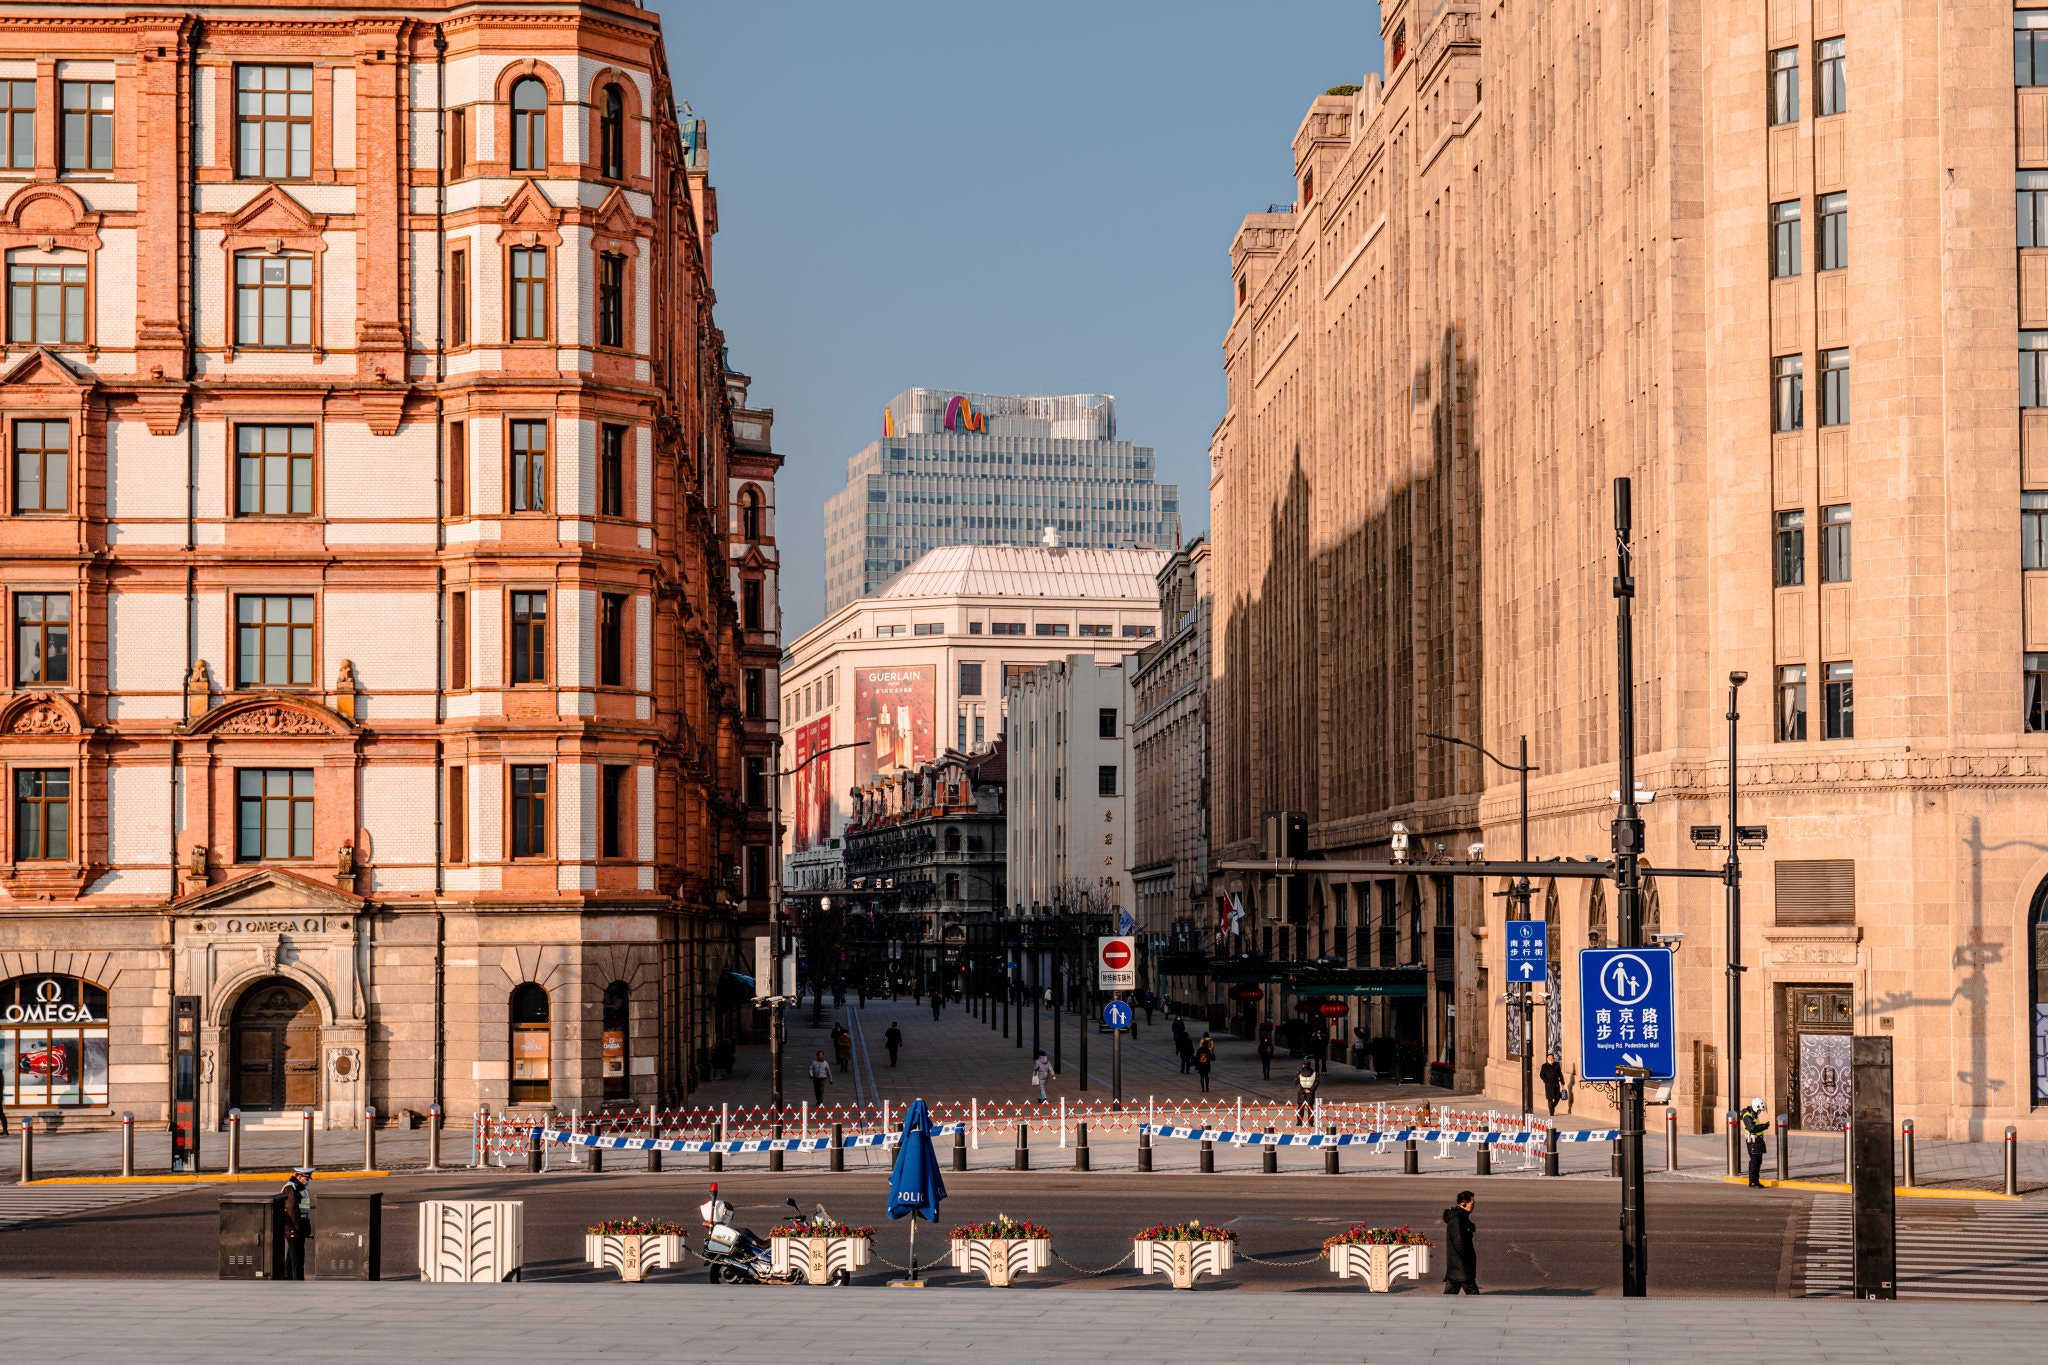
(1528, 950)
(1625, 1014)
(1117, 1014)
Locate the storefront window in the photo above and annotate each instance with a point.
(53, 1041)
(617, 1001)
(531, 1049)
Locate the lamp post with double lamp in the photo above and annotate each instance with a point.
(1739, 837)
(1519, 891)
(776, 1000)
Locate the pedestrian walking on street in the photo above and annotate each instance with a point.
(844, 1046)
(821, 1073)
(1266, 1056)
(1755, 1126)
(298, 1224)
(893, 1040)
(1305, 1092)
(1151, 1001)
(1041, 1072)
(1183, 1046)
(935, 1006)
(1205, 1057)
(1553, 1082)
(722, 1053)
(1461, 1263)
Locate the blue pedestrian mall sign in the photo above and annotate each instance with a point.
(1528, 950)
(1625, 1014)
(1117, 1014)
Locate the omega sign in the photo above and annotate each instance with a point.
(50, 1007)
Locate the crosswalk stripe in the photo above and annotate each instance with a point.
(25, 1205)
(2001, 1253)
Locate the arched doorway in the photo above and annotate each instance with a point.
(277, 1047)
(532, 1045)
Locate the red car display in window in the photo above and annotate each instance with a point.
(51, 1063)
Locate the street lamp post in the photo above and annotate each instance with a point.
(1628, 897)
(1733, 871)
(1519, 892)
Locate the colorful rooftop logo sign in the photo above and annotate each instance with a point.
(888, 422)
(961, 416)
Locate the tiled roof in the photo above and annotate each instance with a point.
(1029, 571)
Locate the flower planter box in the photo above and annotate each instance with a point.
(1379, 1263)
(820, 1260)
(471, 1242)
(1001, 1259)
(1181, 1262)
(633, 1254)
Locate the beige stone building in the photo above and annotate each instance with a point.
(373, 726)
(1761, 260)
(1168, 683)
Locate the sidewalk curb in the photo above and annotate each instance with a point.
(215, 1178)
(1899, 1191)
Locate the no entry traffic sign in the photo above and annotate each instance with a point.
(1116, 963)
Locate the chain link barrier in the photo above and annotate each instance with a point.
(1080, 1270)
(1261, 1260)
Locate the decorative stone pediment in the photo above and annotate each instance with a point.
(529, 210)
(274, 213)
(272, 715)
(49, 215)
(47, 369)
(41, 715)
(616, 219)
(269, 901)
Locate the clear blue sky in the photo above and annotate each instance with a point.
(1029, 197)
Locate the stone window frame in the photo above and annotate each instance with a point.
(12, 650)
(290, 230)
(615, 232)
(552, 792)
(512, 242)
(32, 763)
(233, 611)
(557, 165)
(632, 118)
(11, 419)
(546, 591)
(627, 655)
(46, 217)
(235, 421)
(551, 464)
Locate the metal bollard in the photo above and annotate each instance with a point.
(1080, 1146)
(306, 1137)
(1208, 1156)
(369, 1137)
(1550, 1151)
(433, 1137)
(1848, 1155)
(128, 1145)
(1411, 1158)
(654, 1153)
(1485, 1163)
(1269, 1155)
(533, 1150)
(1907, 1133)
(1331, 1165)
(717, 1162)
(234, 1142)
(1734, 1145)
(2012, 1162)
(1784, 1147)
(596, 1153)
(1021, 1161)
(1670, 1139)
(960, 1149)
(1144, 1148)
(1614, 1159)
(838, 1147)
(28, 1150)
(775, 1153)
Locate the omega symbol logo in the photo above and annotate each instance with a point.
(48, 991)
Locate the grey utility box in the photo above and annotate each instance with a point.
(348, 1236)
(251, 1236)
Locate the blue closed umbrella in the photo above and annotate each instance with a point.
(914, 1183)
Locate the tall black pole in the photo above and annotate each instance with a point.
(1628, 887)
(1732, 869)
(1059, 981)
(1087, 988)
(1527, 1002)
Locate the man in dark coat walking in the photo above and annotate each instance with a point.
(298, 1224)
(1553, 1082)
(893, 1040)
(1461, 1264)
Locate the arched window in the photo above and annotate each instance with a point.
(53, 1041)
(532, 1045)
(1553, 1015)
(2038, 958)
(1596, 917)
(611, 134)
(529, 125)
(952, 886)
(952, 841)
(618, 999)
(750, 515)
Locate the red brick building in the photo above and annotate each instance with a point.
(374, 655)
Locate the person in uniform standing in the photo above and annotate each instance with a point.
(298, 1223)
(1755, 1126)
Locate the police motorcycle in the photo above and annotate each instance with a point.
(736, 1256)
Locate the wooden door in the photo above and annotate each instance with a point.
(277, 1047)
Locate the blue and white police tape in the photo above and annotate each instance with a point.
(1232, 1138)
(613, 1142)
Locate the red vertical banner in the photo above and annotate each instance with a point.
(811, 820)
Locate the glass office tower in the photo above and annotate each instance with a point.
(957, 468)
